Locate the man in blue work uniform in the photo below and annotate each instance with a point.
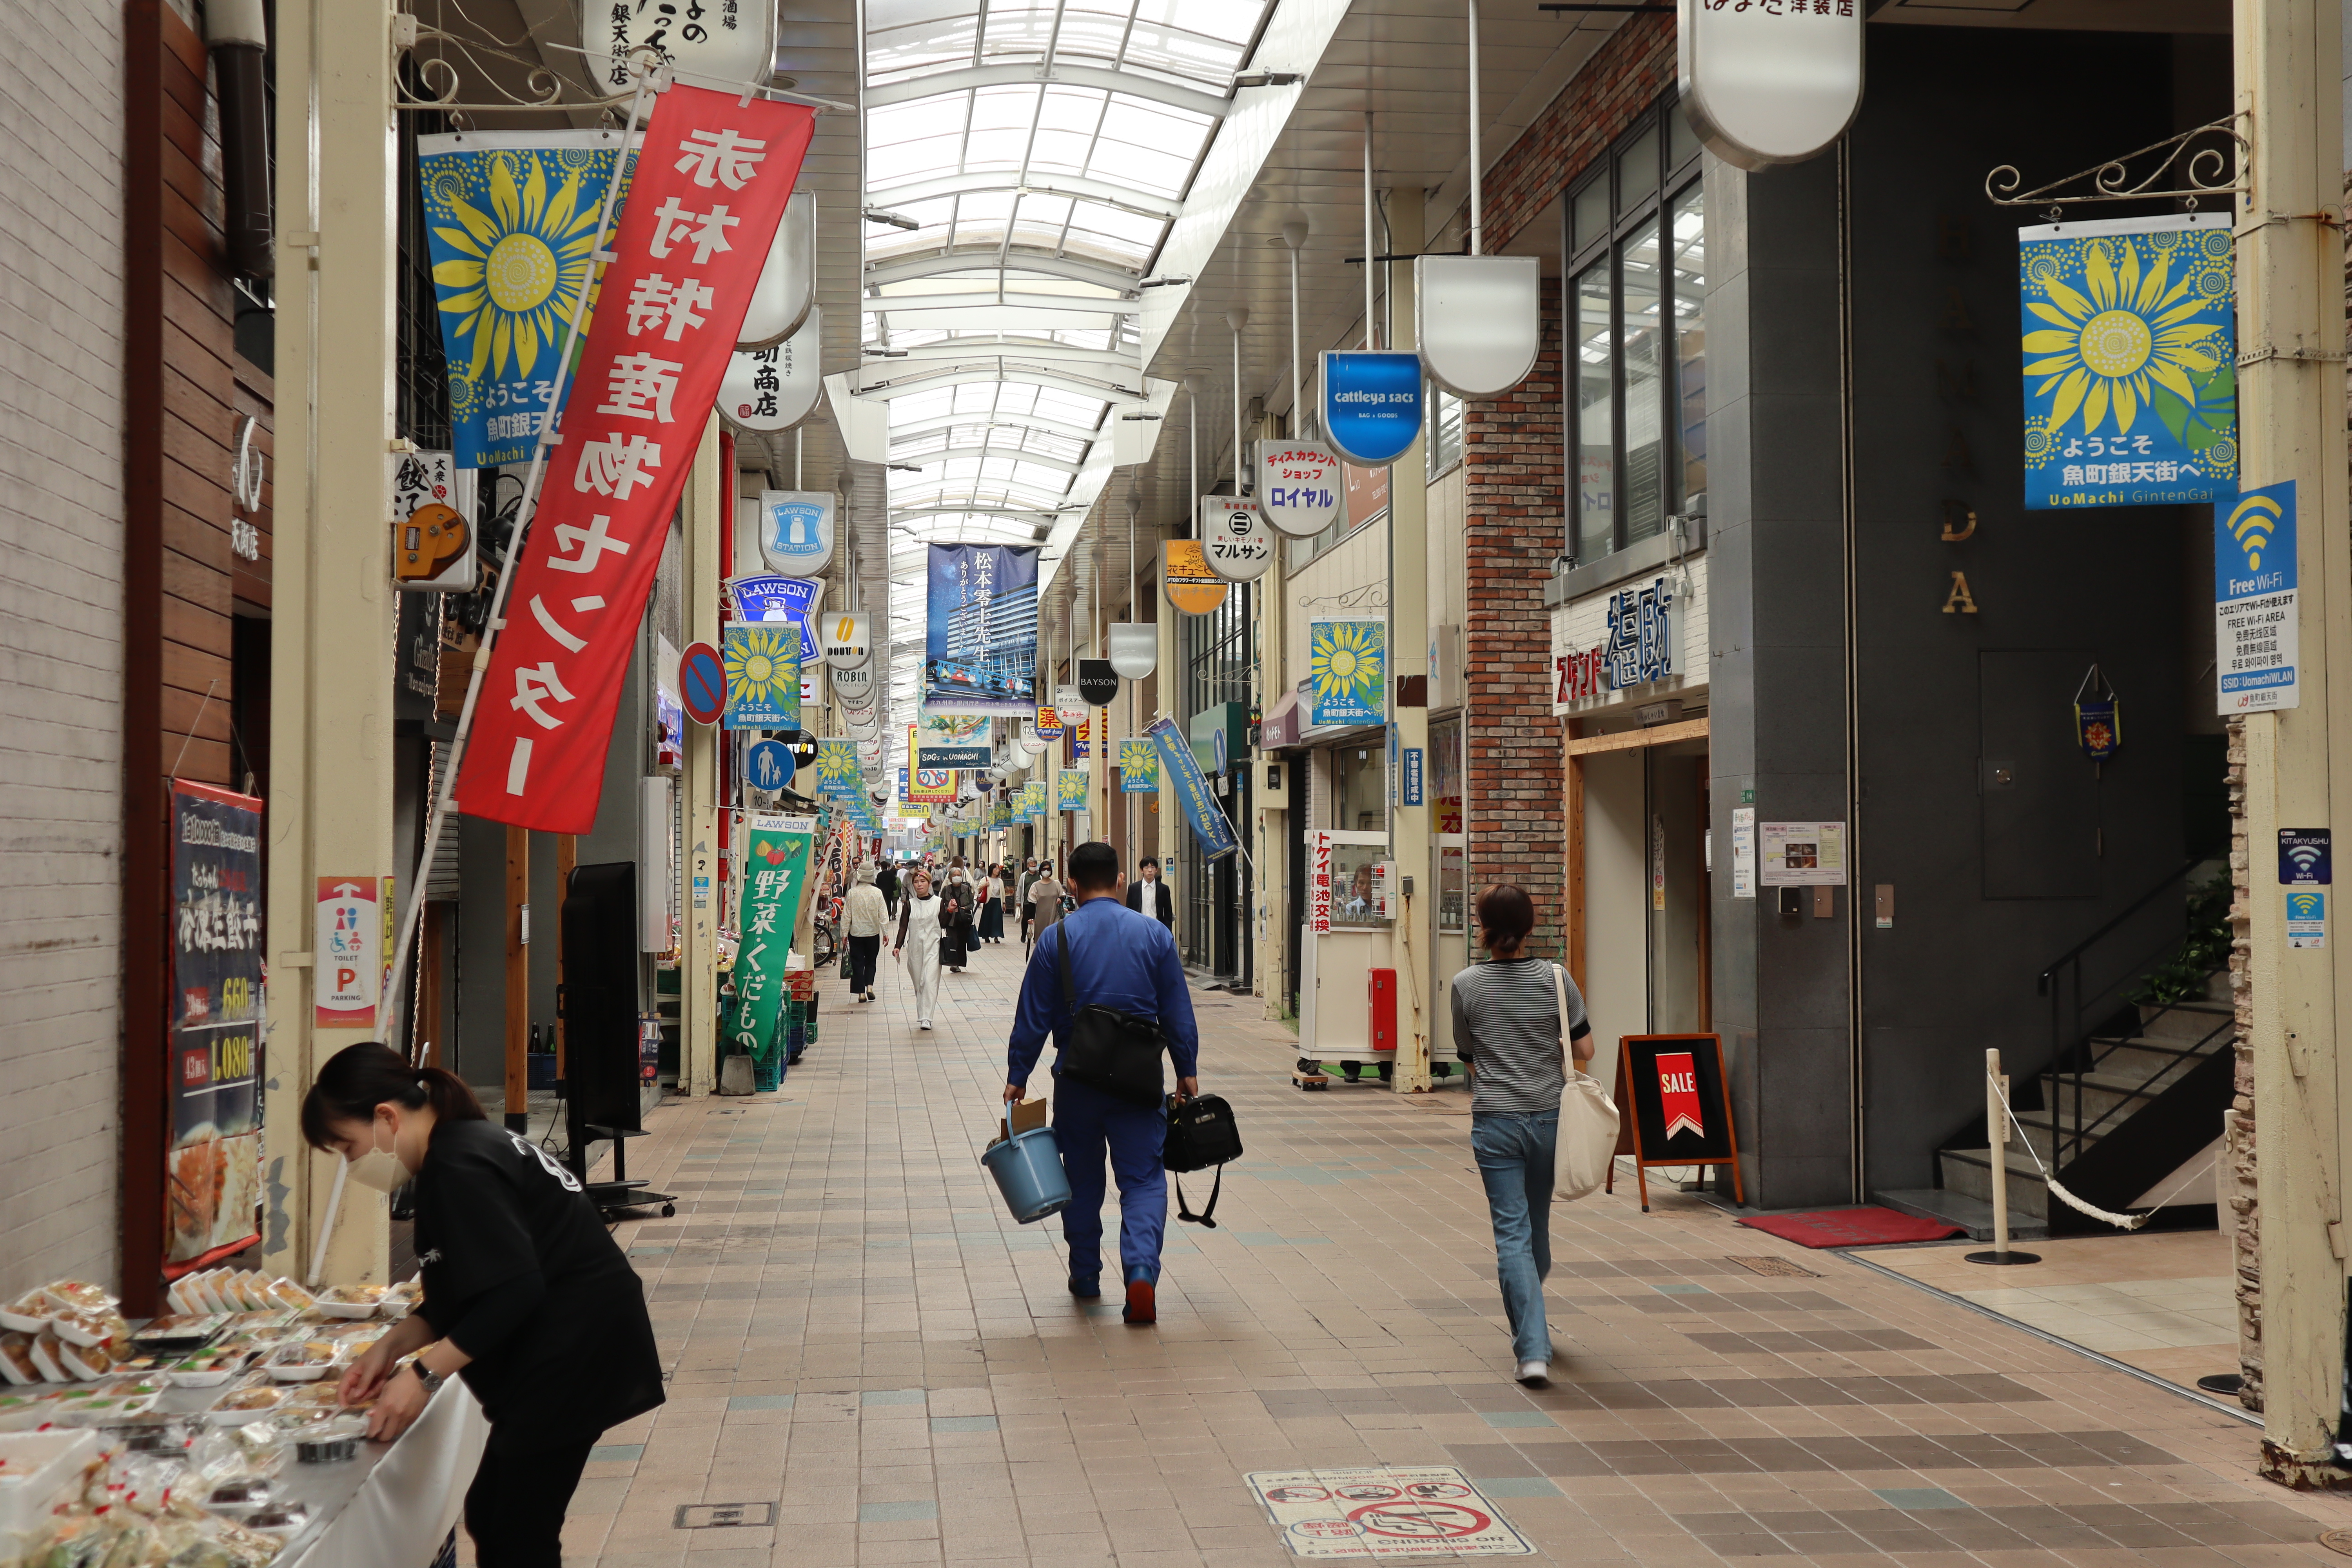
(1127, 961)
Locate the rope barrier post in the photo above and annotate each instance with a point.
(1997, 1150)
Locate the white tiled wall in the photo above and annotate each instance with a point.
(60, 641)
(1583, 625)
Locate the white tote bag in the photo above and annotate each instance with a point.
(1588, 1118)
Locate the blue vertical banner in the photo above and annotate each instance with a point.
(980, 650)
(510, 222)
(2129, 340)
(2255, 626)
(1180, 774)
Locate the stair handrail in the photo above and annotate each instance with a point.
(2073, 954)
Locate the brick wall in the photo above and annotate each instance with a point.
(1511, 463)
(61, 334)
(1513, 501)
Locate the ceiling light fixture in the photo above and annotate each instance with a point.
(1268, 78)
(1163, 282)
(896, 220)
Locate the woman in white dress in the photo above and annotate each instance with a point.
(918, 944)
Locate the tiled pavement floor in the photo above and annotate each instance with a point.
(861, 1338)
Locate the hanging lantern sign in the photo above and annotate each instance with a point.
(733, 44)
(787, 286)
(1184, 573)
(772, 389)
(1069, 705)
(1032, 741)
(1298, 486)
(1097, 682)
(846, 643)
(1764, 85)
(2098, 716)
(1238, 544)
(1134, 649)
(1371, 402)
(1480, 318)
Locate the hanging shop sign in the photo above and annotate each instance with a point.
(846, 639)
(1069, 705)
(2130, 346)
(1097, 682)
(763, 677)
(952, 740)
(787, 286)
(1235, 540)
(213, 1165)
(641, 400)
(980, 649)
(1138, 767)
(2098, 716)
(2256, 617)
(432, 544)
(1371, 402)
(1070, 789)
(1191, 586)
(1348, 668)
(1180, 775)
(770, 597)
(1031, 739)
(775, 872)
(1134, 648)
(775, 388)
(1298, 486)
(925, 785)
(796, 532)
(1082, 740)
(510, 223)
(1046, 727)
(346, 957)
(1480, 318)
(1769, 83)
(722, 41)
(1802, 854)
(856, 685)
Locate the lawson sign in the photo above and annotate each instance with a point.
(1371, 402)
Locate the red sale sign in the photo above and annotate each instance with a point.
(1678, 1094)
(711, 185)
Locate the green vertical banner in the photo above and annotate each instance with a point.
(775, 881)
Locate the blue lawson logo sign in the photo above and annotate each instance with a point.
(1371, 402)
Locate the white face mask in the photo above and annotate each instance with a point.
(378, 1168)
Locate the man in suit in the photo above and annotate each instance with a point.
(1121, 965)
(1148, 895)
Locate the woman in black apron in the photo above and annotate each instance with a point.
(525, 1295)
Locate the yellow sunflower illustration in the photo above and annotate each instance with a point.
(1346, 665)
(520, 264)
(2127, 332)
(763, 668)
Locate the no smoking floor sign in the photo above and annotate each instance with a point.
(1384, 1514)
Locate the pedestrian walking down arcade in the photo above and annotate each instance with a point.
(920, 941)
(1104, 955)
(865, 917)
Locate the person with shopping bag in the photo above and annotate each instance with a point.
(1103, 966)
(1517, 1021)
(865, 915)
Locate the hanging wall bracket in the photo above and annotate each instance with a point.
(2208, 161)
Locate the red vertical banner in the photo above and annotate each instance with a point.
(712, 181)
(1678, 1093)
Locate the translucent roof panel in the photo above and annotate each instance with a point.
(1199, 42)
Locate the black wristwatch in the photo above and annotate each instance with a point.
(425, 1375)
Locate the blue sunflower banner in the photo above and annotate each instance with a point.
(1347, 662)
(510, 221)
(2130, 351)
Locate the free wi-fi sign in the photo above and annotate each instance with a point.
(2304, 857)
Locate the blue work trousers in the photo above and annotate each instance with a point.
(1515, 1151)
(1088, 1123)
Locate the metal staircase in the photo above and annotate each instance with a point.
(2140, 1070)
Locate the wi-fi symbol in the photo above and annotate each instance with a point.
(2254, 521)
(2303, 906)
(2305, 856)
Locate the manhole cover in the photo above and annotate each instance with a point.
(1777, 1267)
(2337, 1541)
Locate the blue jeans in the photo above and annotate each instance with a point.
(1087, 1124)
(1515, 1151)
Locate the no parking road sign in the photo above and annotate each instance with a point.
(702, 683)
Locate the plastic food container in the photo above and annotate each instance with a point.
(244, 1405)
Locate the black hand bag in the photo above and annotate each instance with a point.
(1105, 1049)
(1202, 1132)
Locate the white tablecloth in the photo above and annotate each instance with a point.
(407, 1496)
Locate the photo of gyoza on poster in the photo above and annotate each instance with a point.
(213, 1170)
(980, 652)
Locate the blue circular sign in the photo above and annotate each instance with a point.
(702, 683)
(1371, 402)
(767, 765)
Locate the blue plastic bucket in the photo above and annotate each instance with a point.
(1028, 1170)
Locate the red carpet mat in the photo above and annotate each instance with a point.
(1870, 1226)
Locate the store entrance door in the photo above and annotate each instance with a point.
(1681, 999)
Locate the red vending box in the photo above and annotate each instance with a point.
(1383, 1009)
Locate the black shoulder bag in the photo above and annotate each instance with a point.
(1105, 1049)
(1202, 1132)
